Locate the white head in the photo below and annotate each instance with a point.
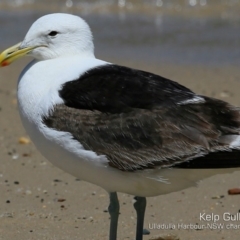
(51, 36)
(60, 34)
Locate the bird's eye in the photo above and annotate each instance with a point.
(53, 33)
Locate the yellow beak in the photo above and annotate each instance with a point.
(13, 53)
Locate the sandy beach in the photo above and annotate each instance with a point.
(40, 202)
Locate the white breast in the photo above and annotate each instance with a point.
(38, 93)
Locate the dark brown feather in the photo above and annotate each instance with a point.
(141, 120)
(141, 138)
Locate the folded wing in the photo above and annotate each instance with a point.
(140, 120)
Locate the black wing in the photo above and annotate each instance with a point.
(117, 89)
(140, 120)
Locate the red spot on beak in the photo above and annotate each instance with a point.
(4, 63)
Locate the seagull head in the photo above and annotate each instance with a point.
(53, 36)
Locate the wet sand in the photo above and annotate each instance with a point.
(39, 201)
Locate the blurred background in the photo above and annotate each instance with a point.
(194, 42)
(155, 31)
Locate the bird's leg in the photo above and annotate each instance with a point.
(140, 206)
(113, 210)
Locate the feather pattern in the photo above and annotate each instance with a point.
(138, 121)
